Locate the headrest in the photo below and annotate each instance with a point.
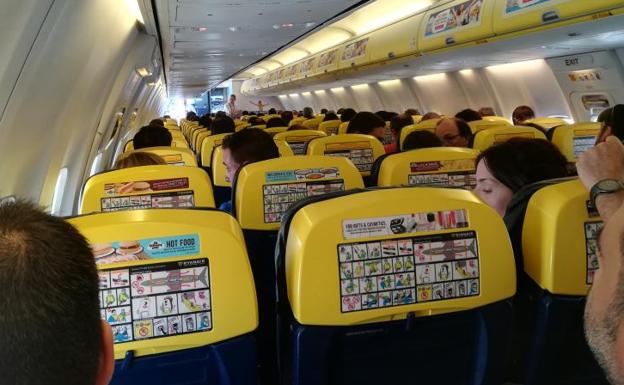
(175, 156)
(283, 148)
(297, 139)
(275, 130)
(405, 131)
(487, 138)
(440, 166)
(297, 120)
(416, 118)
(265, 190)
(479, 125)
(389, 252)
(147, 187)
(362, 150)
(559, 239)
(312, 123)
(573, 139)
(129, 146)
(166, 278)
(497, 119)
(330, 127)
(208, 146)
(199, 138)
(342, 128)
(548, 123)
(218, 169)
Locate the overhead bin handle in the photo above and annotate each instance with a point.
(450, 40)
(550, 16)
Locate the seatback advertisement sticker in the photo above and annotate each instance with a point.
(136, 250)
(355, 50)
(124, 188)
(302, 174)
(515, 7)
(455, 18)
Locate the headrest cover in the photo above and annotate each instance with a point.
(362, 150)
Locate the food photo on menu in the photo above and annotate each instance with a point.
(105, 253)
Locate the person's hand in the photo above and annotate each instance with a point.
(604, 161)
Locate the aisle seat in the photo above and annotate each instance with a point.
(207, 147)
(262, 192)
(297, 139)
(195, 135)
(559, 249)
(198, 142)
(487, 138)
(166, 289)
(439, 166)
(479, 125)
(548, 123)
(361, 150)
(342, 128)
(177, 156)
(329, 127)
(416, 287)
(312, 124)
(146, 187)
(573, 139)
(275, 130)
(175, 134)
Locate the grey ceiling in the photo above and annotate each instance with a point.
(204, 42)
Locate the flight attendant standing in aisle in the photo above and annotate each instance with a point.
(232, 111)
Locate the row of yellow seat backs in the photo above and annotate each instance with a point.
(157, 186)
(559, 239)
(265, 190)
(385, 253)
(166, 278)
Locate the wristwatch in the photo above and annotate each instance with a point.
(605, 186)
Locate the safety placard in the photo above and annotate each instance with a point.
(297, 143)
(453, 173)
(155, 301)
(402, 224)
(279, 197)
(580, 144)
(520, 6)
(592, 230)
(360, 153)
(168, 200)
(136, 250)
(408, 270)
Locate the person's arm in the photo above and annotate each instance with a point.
(604, 161)
(255, 104)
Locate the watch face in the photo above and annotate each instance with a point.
(609, 185)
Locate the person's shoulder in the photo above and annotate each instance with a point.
(226, 206)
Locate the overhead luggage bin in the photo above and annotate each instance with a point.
(396, 40)
(457, 22)
(327, 61)
(308, 66)
(510, 16)
(355, 52)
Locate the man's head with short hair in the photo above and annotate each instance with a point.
(347, 114)
(367, 123)
(430, 115)
(487, 111)
(412, 111)
(51, 327)
(454, 132)
(222, 125)
(468, 115)
(247, 146)
(522, 113)
(612, 120)
(152, 136)
(157, 122)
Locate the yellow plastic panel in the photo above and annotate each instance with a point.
(355, 52)
(497, 119)
(241, 126)
(179, 143)
(177, 156)
(176, 134)
(283, 148)
(396, 40)
(218, 169)
(147, 187)
(275, 130)
(519, 15)
(129, 146)
(405, 131)
(385, 253)
(362, 150)
(572, 140)
(548, 123)
(328, 61)
(479, 125)
(200, 138)
(559, 239)
(342, 129)
(443, 166)
(416, 118)
(457, 22)
(487, 138)
(208, 146)
(298, 120)
(312, 124)
(195, 135)
(329, 127)
(297, 139)
(265, 190)
(189, 255)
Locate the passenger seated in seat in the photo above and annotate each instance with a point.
(604, 311)
(429, 116)
(205, 121)
(367, 123)
(308, 113)
(396, 126)
(412, 111)
(330, 116)
(421, 139)
(157, 122)
(275, 122)
(222, 125)
(152, 136)
(245, 146)
(487, 111)
(612, 120)
(468, 115)
(287, 116)
(505, 168)
(347, 114)
(454, 132)
(521, 114)
(138, 158)
(51, 327)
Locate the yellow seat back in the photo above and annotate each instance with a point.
(145, 187)
(177, 156)
(479, 125)
(275, 130)
(265, 190)
(405, 131)
(195, 135)
(166, 278)
(283, 148)
(429, 124)
(385, 253)
(360, 149)
(208, 146)
(416, 118)
(548, 123)
(559, 239)
(342, 128)
(442, 166)
(487, 138)
(312, 124)
(573, 139)
(297, 139)
(297, 120)
(179, 143)
(129, 146)
(199, 140)
(329, 127)
(497, 119)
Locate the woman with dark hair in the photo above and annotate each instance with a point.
(505, 168)
(396, 125)
(347, 114)
(468, 115)
(330, 116)
(367, 123)
(275, 122)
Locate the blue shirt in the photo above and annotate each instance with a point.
(226, 206)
